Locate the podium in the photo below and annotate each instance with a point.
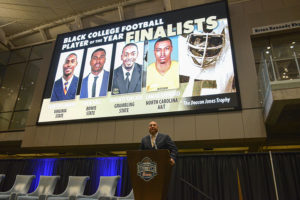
(150, 173)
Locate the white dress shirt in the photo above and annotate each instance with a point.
(98, 83)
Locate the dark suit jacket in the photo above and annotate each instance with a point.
(58, 90)
(103, 90)
(162, 142)
(135, 85)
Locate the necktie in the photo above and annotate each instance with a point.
(94, 86)
(127, 81)
(152, 141)
(65, 88)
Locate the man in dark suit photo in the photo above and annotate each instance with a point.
(158, 140)
(65, 87)
(95, 83)
(128, 77)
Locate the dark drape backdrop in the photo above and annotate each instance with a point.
(287, 172)
(218, 177)
(243, 176)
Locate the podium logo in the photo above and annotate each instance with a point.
(146, 169)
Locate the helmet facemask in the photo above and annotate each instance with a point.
(204, 48)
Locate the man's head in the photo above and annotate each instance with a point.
(163, 50)
(97, 62)
(69, 66)
(129, 55)
(153, 128)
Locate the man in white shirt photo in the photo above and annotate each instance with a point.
(95, 84)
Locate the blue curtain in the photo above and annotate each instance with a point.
(108, 167)
(41, 167)
(65, 167)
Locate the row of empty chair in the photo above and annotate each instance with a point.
(74, 190)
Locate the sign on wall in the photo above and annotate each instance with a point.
(276, 27)
(174, 62)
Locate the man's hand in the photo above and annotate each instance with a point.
(172, 161)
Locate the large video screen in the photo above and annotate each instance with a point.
(175, 62)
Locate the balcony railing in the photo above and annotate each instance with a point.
(278, 68)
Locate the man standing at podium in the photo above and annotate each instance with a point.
(158, 140)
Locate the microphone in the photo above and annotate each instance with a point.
(195, 188)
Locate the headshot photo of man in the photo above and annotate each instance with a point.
(163, 74)
(95, 83)
(66, 86)
(127, 78)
